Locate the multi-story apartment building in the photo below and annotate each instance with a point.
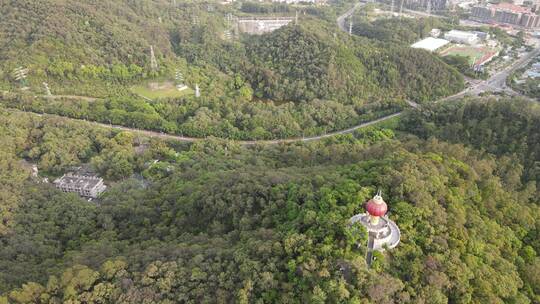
(506, 13)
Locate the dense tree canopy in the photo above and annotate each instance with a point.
(216, 222)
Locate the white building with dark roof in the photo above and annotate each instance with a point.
(86, 186)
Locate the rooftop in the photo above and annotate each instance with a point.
(511, 7)
(78, 181)
(430, 44)
(461, 34)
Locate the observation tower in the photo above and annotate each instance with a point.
(382, 232)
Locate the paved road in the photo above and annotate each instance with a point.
(341, 20)
(241, 142)
(86, 98)
(497, 81)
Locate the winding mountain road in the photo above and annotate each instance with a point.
(193, 139)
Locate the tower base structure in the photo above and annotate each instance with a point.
(382, 234)
(385, 231)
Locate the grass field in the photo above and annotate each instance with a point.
(157, 90)
(476, 54)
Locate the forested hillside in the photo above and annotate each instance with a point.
(509, 128)
(302, 79)
(299, 63)
(215, 222)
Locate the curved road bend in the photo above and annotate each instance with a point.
(242, 142)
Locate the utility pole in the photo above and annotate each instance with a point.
(197, 91)
(401, 8)
(392, 7)
(296, 18)
(153, 61)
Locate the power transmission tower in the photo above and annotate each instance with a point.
(429, 7)
(401, 8)
(350, 28)
(47, 89)
(228, 32)
(20, 74)
(179, 77)
(153, 61)
(228, 35)
(296, 18)
(392, 7)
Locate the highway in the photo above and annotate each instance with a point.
(497, 81)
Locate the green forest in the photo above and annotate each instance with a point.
(215, 222)
(304, 79)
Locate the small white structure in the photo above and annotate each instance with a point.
(435, 33)
(462, 37)
(430, 44)
(47, 89)
(261, 25)
(86, 186)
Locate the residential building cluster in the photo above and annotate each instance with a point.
(506, 13)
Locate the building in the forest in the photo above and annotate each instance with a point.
(261, 25)
(382, 232)
(85, 185)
